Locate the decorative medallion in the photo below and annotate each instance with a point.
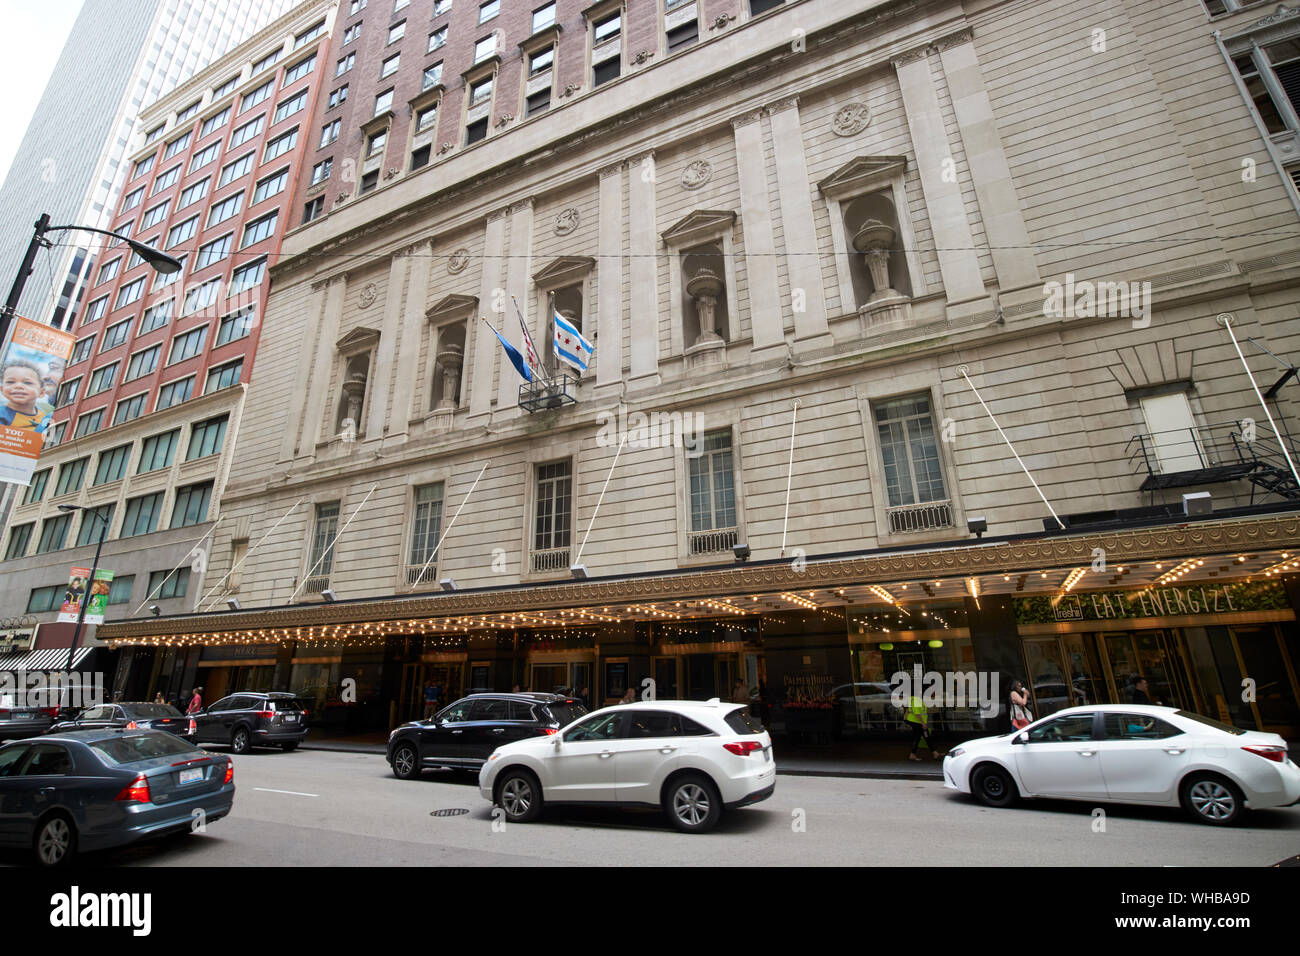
(642, 56)
(851, 119)
(367, 297)
(720, 22)
(458, 261)
(446, 148)
(566, 220)
(505, 119)
(696, 174)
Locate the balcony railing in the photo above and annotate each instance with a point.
(906, 519)
(709, 542)
(419, 574)
(316, 584)
(1196, 455)
(551, 559)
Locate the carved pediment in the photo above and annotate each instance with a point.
(862, 174)
(451, 307)
(358, 340)
(699, 226)
(566, 270)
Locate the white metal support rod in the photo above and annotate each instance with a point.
(330, 548)
(1225, 320)
(447, 529)
(194, 546)
(962, 370)
(789, 474)
(592, 522)
(241, 561)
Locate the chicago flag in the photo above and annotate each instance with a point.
(570, 346)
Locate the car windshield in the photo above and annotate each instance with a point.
(117, 751)
(1211, 722)
(743, 722)
(286, 704)
(151, 710)
(566, 712)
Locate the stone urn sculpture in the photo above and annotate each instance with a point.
(704, 288)
(354, 393)
(451, 358)
(875, 239)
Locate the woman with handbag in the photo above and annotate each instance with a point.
(1021, 715)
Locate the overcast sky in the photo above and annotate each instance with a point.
(35, 31)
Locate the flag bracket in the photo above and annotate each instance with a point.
(540, 396)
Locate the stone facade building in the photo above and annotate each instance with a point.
(858, 252)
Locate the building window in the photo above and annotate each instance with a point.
(259, 229)
(376, 143)
(389, 66)
(89, 531)
(253, 97)
(487, 11)
(153, 134)
(280, 145)
(338, 97)
(440, 7)
(427, 118)
(909, 452)
(54, 534)
(213, 251)
(71, 475)
(67, 393)
(45, 599)
(437, 39)
(206, 438)
(1272, 77)
(321, 563)
(189, 111)
(191, 505)
(157, 451)
(191, 195)
(246, 277)
(679, 38)
(604, 72)
(543, 17)
(173, 393)
(223, 376)
(485, 48)
(130, 408)
(204, 156)
(432, 76)
(89, 423)
(141, 516)
(480, 92)
(142, 363)
(82, 350)
(289, 107)
(384, 101)
(237, 325)
(369, 181)
(119, 592)
(538, 102)
(164, 585)
(313, 209)
(267, 61)
(608, 28)
(356, 7)
(101, 380)
(187, 345)
(95, 311)
(299, 70)
(156, 316)
(175, 146)
(226, 87)
(420, 157)
(762, 6)
(397, 31)
(130, 292)
(476, 131)
(178, 234)
(345, 64)
(330, 132)
(36, 490)
(244, 133)
(713, 492)
(20, 536)
(426, 527)
(270, 186)
(300, 40)
(200, 297)
(112, 464)
(132, 199)
(541, 61)
(163, 279)
(552, 516)
(109, 270)
(321, 171)
(400, 5)
(214, 122)
(143, 166)
(235, 170)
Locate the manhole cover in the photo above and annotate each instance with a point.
(452, 812)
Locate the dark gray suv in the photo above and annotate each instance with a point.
(252, 719)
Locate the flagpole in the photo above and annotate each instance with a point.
(532, 346)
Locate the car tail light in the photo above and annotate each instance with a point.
(266, 714)
(744, 747)
(1274, 752)
(230, 771)
(194, 727)
(50, 711)
(549, 730)
(4, 714)
(133, 726)
(137, 791)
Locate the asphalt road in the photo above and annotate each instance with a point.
(318, 808)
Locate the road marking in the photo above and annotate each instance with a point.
(292, 793)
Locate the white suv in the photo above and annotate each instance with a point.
(692, 758)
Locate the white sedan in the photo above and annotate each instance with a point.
(1130, 753)
(692, 758)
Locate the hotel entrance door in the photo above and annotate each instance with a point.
(1064, 671)
(1156, 655)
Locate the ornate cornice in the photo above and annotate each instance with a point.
(614, 169)
(744, 119)
(785, 103)
(953, 39)
(919, 53)
(1192, 539)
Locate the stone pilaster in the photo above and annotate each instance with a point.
(413, 323)
(643, 271)
(517, 269)
(486, 347)
(320, 403)
(765, 317)
(609, 277)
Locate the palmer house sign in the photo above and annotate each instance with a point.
(1153, 602)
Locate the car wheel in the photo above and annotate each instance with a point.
(406, 762)
(240, 741)
(692, 804)
(290, 747)
(55, 842)
(1212, 799)
(519, 795)
(994, 786)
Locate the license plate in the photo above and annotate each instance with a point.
(192, 776)
(291, 718)
(23, 716)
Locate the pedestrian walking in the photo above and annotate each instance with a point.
(740, 692)
(918, 718)
(430, 699)
(1018, 706)
(196, 701)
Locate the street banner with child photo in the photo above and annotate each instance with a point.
(30, 374)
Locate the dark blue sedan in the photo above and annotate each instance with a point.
(94, 789)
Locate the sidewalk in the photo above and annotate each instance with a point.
(884, 761)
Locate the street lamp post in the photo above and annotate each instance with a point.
(90, 585)
(159, 260)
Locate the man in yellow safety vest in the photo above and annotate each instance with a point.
(917, 718)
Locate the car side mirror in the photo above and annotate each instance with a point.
(1021, 738)
(558, 739)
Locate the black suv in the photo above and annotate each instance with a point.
(250, 719)
(463, 735)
